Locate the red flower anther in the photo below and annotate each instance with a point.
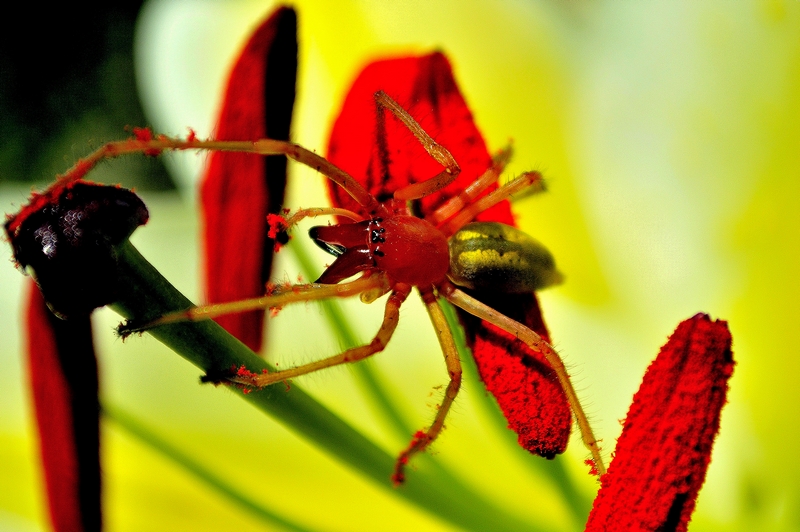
(661, 458)
(239, 189)
(383, 156)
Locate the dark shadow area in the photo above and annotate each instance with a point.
(67, 86)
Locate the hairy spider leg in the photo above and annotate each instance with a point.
(154, 146)
(259, 147)
(422, 439)
(526, 180)
(390, 317)
(473, 190)
(369, 282)
(439, 153)
(535, 342)
(313, 212)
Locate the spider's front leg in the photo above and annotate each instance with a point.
(436, 150)
(369, 283)
(146, 144)
(378, 344)
(423, 439)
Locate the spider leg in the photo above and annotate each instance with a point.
(260, 147)
(530, 180)
(454, 205)
(422, 439)
(320, 211)
(535, 342)
(281, 297)
(378, 343)
(436, 150)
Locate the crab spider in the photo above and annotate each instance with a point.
(394, 252)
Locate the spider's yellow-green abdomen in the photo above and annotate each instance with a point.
(498, 257)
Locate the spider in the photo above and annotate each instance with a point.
(395, 251)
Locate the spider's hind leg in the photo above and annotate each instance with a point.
(535, 342)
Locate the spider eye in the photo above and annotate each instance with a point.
(498, 257)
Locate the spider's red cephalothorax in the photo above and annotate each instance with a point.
(409, 249)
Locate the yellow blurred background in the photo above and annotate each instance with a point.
(668, 133)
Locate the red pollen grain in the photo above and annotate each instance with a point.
(270, 288)
(143, 133)
(663, 453)
(276, 223)
(244, 372)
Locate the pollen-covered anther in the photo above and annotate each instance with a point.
(665, 447)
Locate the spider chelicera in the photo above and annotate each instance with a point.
(392, 251)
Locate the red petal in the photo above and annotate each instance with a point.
(239, 190)
(521, 380)
(663, 453)
(63, 373)
(386, 161)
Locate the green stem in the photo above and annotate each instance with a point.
(145, 294)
